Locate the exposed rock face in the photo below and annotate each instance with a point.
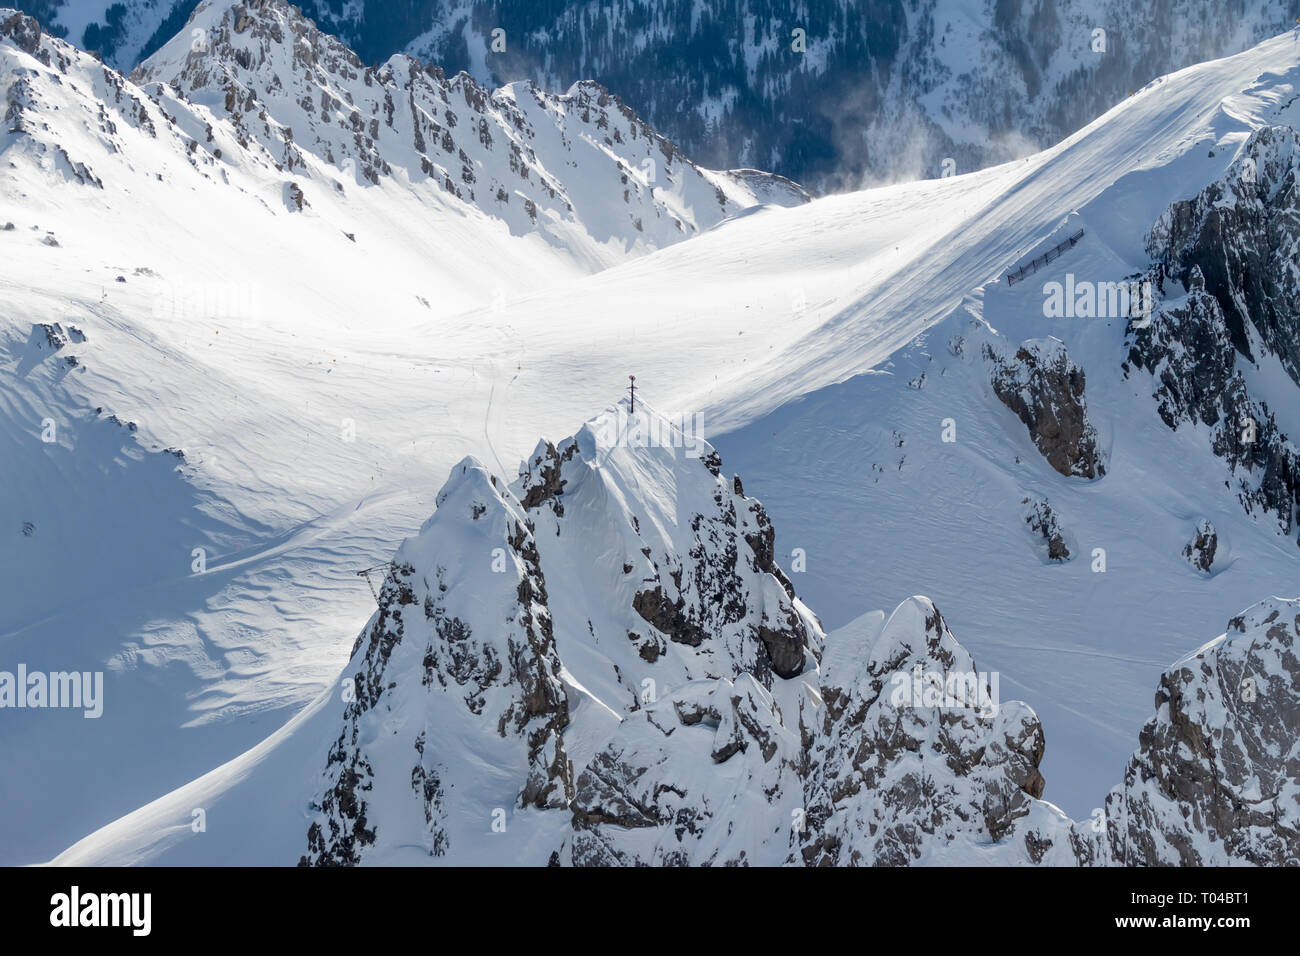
(1200, 551)
(293, 197)
(707, 776)
(1043, 522)
(694, 591)
(1242, 233)
(460, 667)
(22, 29)
(1216, 781)
(55, 337)
(467, 663)
(1189, 351)
(1227, 271)
(47, 338)
(912, 753)
(905, 755)
(1045, 389)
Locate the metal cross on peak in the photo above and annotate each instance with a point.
(632, 391)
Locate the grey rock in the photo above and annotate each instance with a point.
(1200, 551)
(1046, 391)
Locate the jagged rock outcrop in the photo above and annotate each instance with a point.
(1242, 233)
(1189, 352)
(1046, 391)
(22, 29)
(908, 756)
(1043, 521)
(903, 754)
(1200, 551)
(456, 670)
(54, 336)
(692, 590)
(1230, 285)
(913, 754)
(504, 684)
(294, 200)
(1216, 781)
(705, 777)
(461, 664)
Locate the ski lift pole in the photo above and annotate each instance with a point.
(366, 574)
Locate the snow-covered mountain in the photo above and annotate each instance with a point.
(183, 220)
(219, 406)
(600, 664)
(527, 619)
(868, 90)
(556, 164)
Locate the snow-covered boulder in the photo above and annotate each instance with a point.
(1201, 550)
(913, 757)
(1216, 781)
(706, 776)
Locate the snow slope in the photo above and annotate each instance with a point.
(315, 425)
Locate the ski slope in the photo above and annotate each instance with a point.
(317, 429)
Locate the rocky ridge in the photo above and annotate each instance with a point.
(714, 723)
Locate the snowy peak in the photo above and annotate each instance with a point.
(913, 754)
(687, 560)
(855, 99)
(609, 573)
(455, 671)
(578, 164)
